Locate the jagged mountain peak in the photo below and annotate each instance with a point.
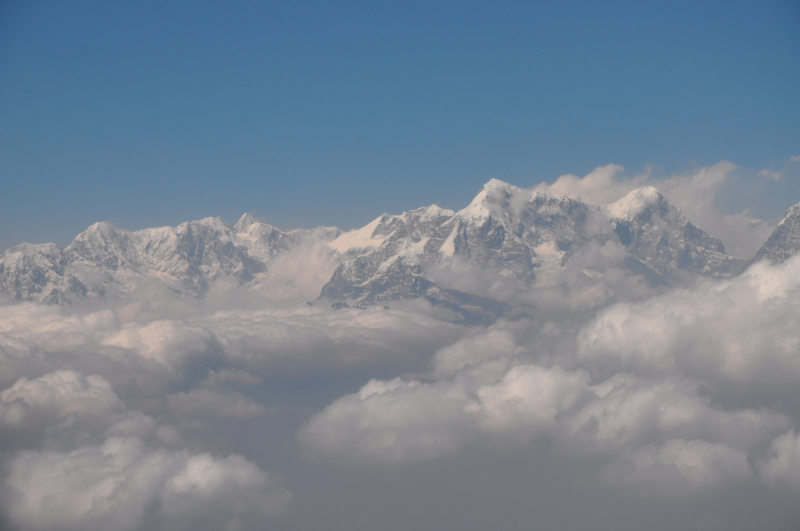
(434, 211)
(215, 223)
(500, 200)
(493, 198)
(792, 215)
(423, 215)
(107, 260)
(529, 237)
(245, 221)
(33, 249)
(102, 243)
(635, 202)
(101, 229)
(497, 186)
(784, 240)
(526, 236)
(363, 238)
(414, 223)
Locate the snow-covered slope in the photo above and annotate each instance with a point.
(107, 261)
(524, 235)
(784, 240)
(663, 241)
(528, 239)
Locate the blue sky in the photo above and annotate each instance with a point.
(308, 113)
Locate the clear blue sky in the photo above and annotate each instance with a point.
(153, 113)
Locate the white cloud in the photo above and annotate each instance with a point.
(744, 331)
(210, 491)
(107, 467)
(35, 339)
(61, 409)
(499, 340)
(771, 174)
(529, 399)
(794, 158)
(298, 275)
(628, 411)
(318, 335)
(118, 484)
(393, 421)
(591, 276)
(603, 185)
(400, 421)
(64, 392)
(90, 488)
(166, 342)
(54, 327)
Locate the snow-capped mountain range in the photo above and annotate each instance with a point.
(528, 238)
(525, 235)
(107, 261)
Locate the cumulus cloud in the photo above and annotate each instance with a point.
(393, 421)
(103, 466)
(209, 491)
(63, 393)
(123, 484)
(744, 332)
(401, 421)
(530, 398)
(166, 342)
(63, 405)
(65, 409)
(111, 410)
(299, 274)
(670, 397)
(679, 467)
(628, 411)
(498, 341)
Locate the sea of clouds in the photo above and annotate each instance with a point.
(611, 404)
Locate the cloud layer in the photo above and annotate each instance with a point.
(601, 402)
(686, 394)
(121, 484)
